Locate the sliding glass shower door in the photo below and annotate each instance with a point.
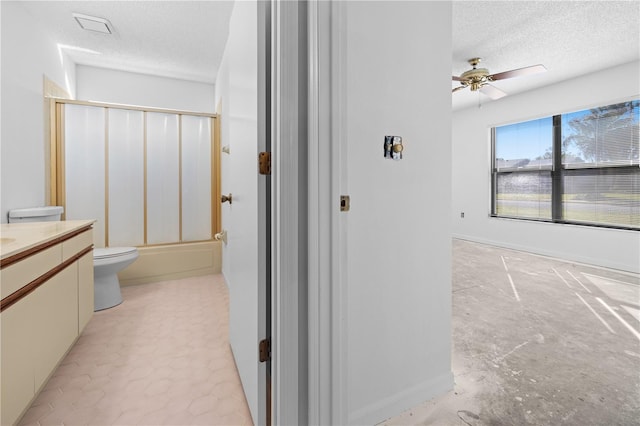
(125, 194)
(146, 176)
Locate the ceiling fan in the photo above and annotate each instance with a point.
(479, 78)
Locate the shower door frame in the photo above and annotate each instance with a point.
(57, 184)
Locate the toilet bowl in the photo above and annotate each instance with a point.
(107, 262)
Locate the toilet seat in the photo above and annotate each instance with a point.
(109, 252)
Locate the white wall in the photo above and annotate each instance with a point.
(122, 87)
(612, 248)
(28, 54)
(396, 293)
(236, 89)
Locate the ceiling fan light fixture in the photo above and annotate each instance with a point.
(93, 23)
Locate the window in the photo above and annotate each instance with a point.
(582, 167)
(522, 184)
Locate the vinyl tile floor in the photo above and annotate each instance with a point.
(162, 357)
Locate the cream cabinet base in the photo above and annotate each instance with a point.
(18, 348)
(48, 304)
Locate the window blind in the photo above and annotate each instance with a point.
(585, 170)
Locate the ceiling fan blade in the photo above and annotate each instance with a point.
(492, 91)
(534, 69)
(454, 78)
(458, 88)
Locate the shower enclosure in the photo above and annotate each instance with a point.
(150, 177)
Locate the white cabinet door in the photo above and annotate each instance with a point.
(85, 290)
(56, 316)
(17, 359)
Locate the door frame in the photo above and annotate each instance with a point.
(289, 243)
(327, 180)
(265, 208)
(320, 90)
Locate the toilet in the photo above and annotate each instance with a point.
(35, 214)
(107, 262)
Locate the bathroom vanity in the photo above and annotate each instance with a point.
(46, 289)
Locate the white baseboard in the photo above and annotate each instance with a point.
(400, 402)
(585, 260)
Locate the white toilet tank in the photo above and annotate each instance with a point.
(36, 214)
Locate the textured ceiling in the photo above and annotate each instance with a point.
(570, 38)
(185, 39)
(179, 39)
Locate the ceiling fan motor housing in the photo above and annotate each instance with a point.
(476, 77)
(479, 78)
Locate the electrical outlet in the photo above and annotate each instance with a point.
(462, 215)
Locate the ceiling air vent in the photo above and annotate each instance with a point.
(92, 23)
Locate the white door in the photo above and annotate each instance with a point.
(238, 100)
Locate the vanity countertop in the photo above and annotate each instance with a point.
(18, 237)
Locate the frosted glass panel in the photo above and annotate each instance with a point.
(108, 149)
(196, 178)
(126, 177)
(163, 212)
(85, 166)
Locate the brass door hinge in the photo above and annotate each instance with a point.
(264, 163)
(265, 350)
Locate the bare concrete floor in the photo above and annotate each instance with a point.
(538, 341)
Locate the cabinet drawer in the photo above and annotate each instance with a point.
(76, 244)
(19, 274)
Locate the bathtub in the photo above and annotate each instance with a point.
(173, 261)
